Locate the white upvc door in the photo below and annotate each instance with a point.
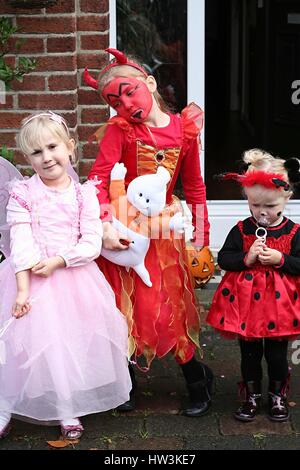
(112, 23)
(223, 214)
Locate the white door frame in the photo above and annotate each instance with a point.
(112, 24)
(223, 214)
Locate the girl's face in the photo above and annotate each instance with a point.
(130, 97)
(50, 159)
(266, 205)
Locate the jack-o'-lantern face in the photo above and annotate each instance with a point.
(201, 264)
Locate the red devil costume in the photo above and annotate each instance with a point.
(162, 318)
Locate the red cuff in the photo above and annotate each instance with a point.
(105, 213)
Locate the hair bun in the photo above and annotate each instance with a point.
(243, 166)
(292, 165)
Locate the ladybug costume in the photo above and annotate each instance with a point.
(259, 301)
(259, 304)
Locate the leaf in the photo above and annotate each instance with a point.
(7, 154)
(25, 65)
(62, 443)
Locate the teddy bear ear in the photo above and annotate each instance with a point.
(163, 173)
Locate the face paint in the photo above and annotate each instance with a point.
(266, 205)
(130, 97)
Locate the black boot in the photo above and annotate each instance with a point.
(278, 408)
(130, 404)
(200, 393)
(250, 406)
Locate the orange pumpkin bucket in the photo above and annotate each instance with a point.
(201, 265)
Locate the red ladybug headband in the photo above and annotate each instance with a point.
(263, 178)
(120, 59)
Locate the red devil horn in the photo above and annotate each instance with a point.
(89, 80)
(120, 56)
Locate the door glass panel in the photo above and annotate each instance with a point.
(252, 60)
(155, 31)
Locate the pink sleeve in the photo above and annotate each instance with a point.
(25, 252)
(89, 245)
(195, 191)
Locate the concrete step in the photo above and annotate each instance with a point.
(205, 296)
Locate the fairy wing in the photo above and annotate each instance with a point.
(72, 173)
(8, 172)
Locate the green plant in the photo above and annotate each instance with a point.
(147, 394)
(7, 154)
(143, 433)
(106, 440)
(259, 440)
(23, 66)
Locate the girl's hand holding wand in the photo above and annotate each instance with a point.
(21, 305)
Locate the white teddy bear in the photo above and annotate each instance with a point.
(141, 215)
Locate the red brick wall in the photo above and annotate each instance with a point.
(64, 39)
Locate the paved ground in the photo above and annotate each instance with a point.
(157, 424)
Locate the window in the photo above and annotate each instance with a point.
(155, 32)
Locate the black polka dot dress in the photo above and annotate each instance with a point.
(261, 301)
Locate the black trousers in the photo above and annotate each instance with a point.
(275, 353)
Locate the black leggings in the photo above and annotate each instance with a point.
(276, 357)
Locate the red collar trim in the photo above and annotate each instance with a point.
(276, 227)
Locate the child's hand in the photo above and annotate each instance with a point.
(270, 256)
(112, 239)
(178, 223)
(255, 250)
(21, 305)
(46, 267)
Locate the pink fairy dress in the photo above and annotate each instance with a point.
(68, 356)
